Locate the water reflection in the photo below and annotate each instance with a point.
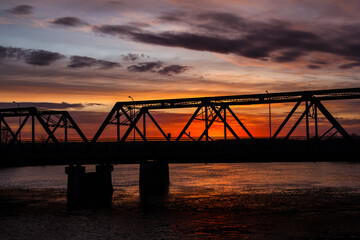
(226, 201)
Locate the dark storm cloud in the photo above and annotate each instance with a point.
(80, 62)
(145, 67)
(130, 57)
(313, 67)
(230, 34)
(173, 69)
(69, 22)
(350, 65)
(31, 56)
(21, 10)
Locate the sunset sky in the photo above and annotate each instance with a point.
(83, 56)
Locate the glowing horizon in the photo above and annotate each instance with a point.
(85, 56)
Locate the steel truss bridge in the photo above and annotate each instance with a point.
(129, 114)
(212, 109)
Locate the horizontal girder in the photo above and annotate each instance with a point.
(333, 94)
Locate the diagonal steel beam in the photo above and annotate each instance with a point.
(188, 123)
(239, 122)
(333, 121)
(299, 120)
(132, 124)
(18, 131)
(9, 129)
(332, 127)
(157, 125)
(286, 120)
(208, 126)
(227, 125)
(105, 123)
(54, 129)
(75, 126)
(47, 129)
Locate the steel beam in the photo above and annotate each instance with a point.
(105, 123)
(227, 125)
(307, 120)
(46, 128)
(9, 129)
(239, 122)
(208, 127)
(18, 131)
(157, 125)
(117, 125)
(286, 120)
(32, 129)
(188, 123)
(298, 121)
(333, 121)
(132, 125)
(66, 130)
(54, 129)
(206, 124)
(75, 126)
(332, 127)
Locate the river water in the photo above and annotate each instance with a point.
(220, 178)
(204, 201)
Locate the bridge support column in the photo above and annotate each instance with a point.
(154, 177)
(92, 189)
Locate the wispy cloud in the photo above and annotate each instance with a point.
(145, 67)
(69, 22)
(80, 62)
(49, 105)
(158, 67)
(21, 10)
(31, 56)
(173, 69)
(46, 58)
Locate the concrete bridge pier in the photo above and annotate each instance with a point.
(92, 189)
(154, 177)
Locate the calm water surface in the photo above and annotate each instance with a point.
(213, 201)
(229, 177)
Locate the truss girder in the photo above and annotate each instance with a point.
(49, 120)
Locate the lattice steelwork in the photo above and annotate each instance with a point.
(50, 121)
(216, 108)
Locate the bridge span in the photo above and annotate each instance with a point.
(51, 148)
(154, 156)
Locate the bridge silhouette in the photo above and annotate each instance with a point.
(166, 149)
(218, 109)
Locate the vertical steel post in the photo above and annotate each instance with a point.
(316, 122)
(33, 129)
(66, 129)
(225, 124)
(307, 120)
(269, 115)
(206, 124)
(144, 124)
(118, 125)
